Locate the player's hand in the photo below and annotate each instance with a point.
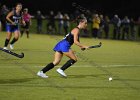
(24, 24)
(13, 23)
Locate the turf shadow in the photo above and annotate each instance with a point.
(85, 76)
(128, 79)
(13, 81)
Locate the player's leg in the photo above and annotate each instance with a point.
(27, 32)
(16, 36)
(8, 37)
(27, 29)
(57, 58)
(22, 30)
(70, 62)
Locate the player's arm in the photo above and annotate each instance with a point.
(8, 17)
(22, 20)
(75, 33)
(30, 20)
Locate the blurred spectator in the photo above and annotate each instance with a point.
(51, 27)
(0, 17)
(0, 26)
(39, 18)
(3, 13)
(116, 25)
(84, 32)
(132, 29)
(126, 24)
(89, 15)
(27, 18)
(59, 17)
(76, 13)
(66, 23)
(106, 26)
(101, 26)
(139, 26)
(95, 26)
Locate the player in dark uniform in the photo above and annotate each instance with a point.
(63, 48)
(14, 18)
(27, 18)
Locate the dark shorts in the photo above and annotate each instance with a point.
(62, 46)
(12, 28)
(26, 26)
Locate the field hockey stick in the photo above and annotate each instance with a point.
(94, 46)
(21, 55)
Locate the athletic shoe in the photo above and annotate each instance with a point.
(5, 48)
(61, 72)
(11, 47)
(41, 74)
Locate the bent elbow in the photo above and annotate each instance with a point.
(7, 17)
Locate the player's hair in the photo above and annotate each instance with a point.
(80, 19)
(18, 3)
(25, 9)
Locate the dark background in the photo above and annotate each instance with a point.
(108, 7)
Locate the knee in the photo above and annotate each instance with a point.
(9, 36)
(74, 60)
(16, 37)
(56, 62)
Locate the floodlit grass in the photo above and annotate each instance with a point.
(87, 79)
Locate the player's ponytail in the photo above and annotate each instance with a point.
(80, 19)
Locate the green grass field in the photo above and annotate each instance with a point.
(87, 79)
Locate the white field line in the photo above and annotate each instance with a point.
(121, 65)
(99, 66)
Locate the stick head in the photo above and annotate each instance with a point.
(83, 49)
(100, 43)
(21, 55)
